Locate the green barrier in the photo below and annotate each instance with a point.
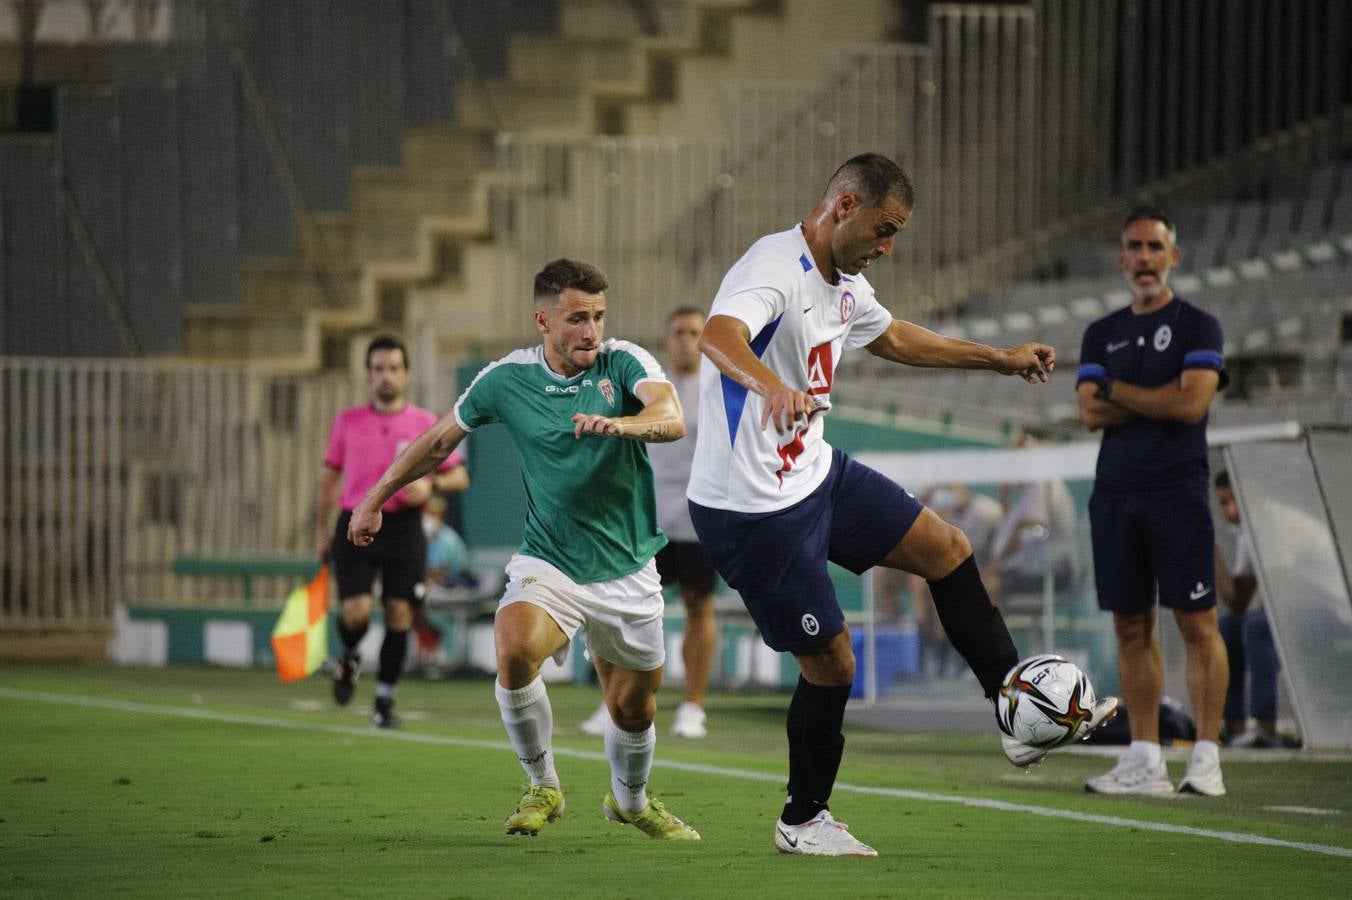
(247, 568)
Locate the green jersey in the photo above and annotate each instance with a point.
(590, 507)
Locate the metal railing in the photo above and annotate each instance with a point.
(622, 203)
(109, 470)
(1022, 126)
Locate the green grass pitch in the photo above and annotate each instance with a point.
(210, 782)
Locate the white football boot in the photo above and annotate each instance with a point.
(820, 835)
(595, 724)
(690, 719)
(1021, 754)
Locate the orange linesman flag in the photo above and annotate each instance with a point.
(300, 639)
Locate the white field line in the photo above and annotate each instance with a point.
(184, 712)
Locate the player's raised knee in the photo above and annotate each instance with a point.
(957, 547)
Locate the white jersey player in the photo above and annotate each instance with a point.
(773, 502)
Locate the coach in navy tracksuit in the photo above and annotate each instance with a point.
(1147, 376)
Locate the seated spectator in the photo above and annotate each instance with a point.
(1036, 539)
(447, 555)
(1248, 639)
(978, 516)
(447, 566)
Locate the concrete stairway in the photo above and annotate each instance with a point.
(415, 245)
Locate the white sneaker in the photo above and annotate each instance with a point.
(690, 719)
(1132, 775)
(1204, 777)
(1021, 754)
(820, 835)
(596, 723)
(1255, 738)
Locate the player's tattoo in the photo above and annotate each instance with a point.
(656, 431)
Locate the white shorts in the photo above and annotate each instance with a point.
(623, 617)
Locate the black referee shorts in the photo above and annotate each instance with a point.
(685, 563)
(398, 555)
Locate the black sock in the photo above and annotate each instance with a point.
(351, 636)
(974, 626)
(815, 745)
(393, 650)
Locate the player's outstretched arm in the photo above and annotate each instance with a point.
(912, 345)
(419, 458)
(727, 343)
(660, 421)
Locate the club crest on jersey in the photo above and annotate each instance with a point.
(846, 306)
(1163, 335)
(607, 389)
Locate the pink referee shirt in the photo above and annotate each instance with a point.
(364, 442)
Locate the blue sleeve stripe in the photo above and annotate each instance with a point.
(1202, 359)
(1090, 372)
(734, 395)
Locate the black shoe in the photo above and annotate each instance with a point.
(345, 678)
(383, 715)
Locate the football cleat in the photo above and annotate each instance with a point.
(690, 719)
(1131, 775)
(345, 678)
(1021, 754)
(654, 820)
(539, 805)
(820, 835)
(1203, 777)
(596, 723)
(383, 715)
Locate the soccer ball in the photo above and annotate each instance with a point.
(1045, 701)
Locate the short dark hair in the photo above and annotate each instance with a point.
(684, 311)
(874, 178)
(386, 342)
(1151, 214)
(562, 274)
(1222, 479)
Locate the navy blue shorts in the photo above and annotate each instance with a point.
(1148, 539)
(777, 560)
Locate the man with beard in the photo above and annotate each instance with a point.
(364, 440)
(580, 410)
(1148, 373)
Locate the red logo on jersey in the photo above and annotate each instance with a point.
(820, 370)
(789, 453)
(846, 306)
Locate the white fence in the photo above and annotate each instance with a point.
(650, 212)
(1021, 125)
(111, 470)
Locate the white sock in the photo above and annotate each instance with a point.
(529, 720)
(631, 759)
(384, 691)
(1148, 751)
(1206, 751)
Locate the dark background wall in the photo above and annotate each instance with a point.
(154, 187)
